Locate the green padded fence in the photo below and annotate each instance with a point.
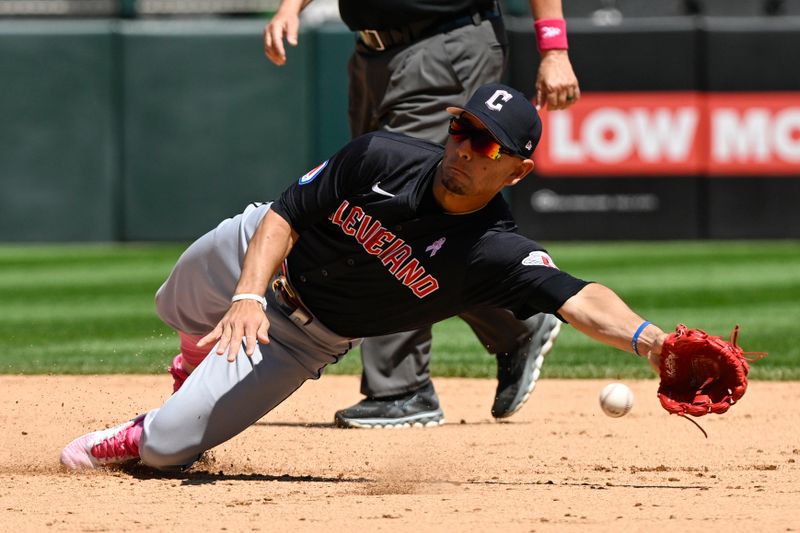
(209, 124)
(58, 170)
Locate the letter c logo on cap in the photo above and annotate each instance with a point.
(492, 104)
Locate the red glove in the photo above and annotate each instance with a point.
(701, 374)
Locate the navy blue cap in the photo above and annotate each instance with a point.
(509, 116)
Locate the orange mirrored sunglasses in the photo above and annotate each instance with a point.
(480, 139)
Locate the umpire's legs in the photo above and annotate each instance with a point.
(400, 363)
(396, 364)
(498, 329)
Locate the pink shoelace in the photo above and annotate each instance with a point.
(122, 445)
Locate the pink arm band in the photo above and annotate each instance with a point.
(551, 34)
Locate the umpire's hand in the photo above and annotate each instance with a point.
(284, 25)
(556, 84)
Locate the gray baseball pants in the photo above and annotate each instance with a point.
(407, 90)
(220, 399)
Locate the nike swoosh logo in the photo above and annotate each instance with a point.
(376, 188)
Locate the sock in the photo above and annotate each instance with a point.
(192, 355)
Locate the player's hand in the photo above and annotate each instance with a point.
(284, 25)
(556, 84)
(245, 322)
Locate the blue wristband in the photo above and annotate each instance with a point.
(635, 339)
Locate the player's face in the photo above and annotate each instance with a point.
(475, 164)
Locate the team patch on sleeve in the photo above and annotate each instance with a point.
(309, 176)
(539, 258)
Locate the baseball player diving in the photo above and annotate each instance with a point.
(390, 234)
(411, 59)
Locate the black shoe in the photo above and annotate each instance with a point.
(419, 408)
(518, 371)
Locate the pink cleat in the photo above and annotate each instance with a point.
(179, 375)
(106, 447)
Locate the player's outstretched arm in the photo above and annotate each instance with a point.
(284, 25)
(269, 246)
(598, 312)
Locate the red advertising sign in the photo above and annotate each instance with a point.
(673, 133)
(754, 133)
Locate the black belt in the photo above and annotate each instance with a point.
(289, 302)
(380, 40)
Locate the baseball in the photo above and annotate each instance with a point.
(616, 399)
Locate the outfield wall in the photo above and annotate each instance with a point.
(208, 125)
(156, 130)
(58, 134)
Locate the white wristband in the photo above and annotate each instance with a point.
(250, 296)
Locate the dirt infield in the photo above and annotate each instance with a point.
(560, 464)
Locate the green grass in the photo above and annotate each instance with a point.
(83, 309)
(89, 309)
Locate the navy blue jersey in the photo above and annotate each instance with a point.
(377, 254)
